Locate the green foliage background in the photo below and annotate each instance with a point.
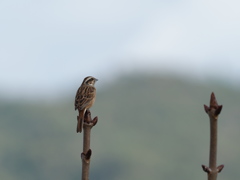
(150, 127)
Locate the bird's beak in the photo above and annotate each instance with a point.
(96, 79)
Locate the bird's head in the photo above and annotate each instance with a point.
(89, 80)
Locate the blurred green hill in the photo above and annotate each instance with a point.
(150, 127)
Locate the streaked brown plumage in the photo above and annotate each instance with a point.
(85, 98)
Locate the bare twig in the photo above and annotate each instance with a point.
(87, 152)
(213, 111)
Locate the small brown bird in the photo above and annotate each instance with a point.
(85, 98)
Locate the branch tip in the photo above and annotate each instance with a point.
(206, 108)
(94, 121)
(206, 169)
(82, 155)
(220, 168)
(88, 154)
(86, 157)
(218, 110)
(213, 101)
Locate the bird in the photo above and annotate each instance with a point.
(85, 98)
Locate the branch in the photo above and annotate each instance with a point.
(213, 111)
(87, 152)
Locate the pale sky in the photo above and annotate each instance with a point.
(48, 45)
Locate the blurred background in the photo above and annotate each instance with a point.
(157, 63)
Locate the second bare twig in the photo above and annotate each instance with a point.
(213, 111)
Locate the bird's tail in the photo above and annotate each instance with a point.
(80, 120)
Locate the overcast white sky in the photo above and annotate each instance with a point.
(50, 44)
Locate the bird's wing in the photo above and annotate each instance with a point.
(84, 95)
